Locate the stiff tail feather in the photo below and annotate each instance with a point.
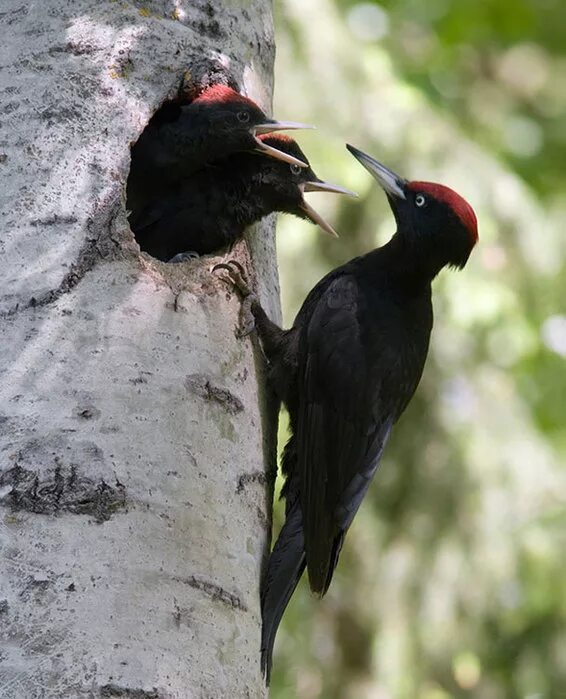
(286, 565)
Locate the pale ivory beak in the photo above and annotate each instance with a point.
(271, 126)
(312, 214)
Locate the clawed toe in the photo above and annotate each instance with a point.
(236, 276)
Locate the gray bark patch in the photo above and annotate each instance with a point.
(201, 386)
(60, 490)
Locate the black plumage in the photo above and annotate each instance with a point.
(211, 209)
(346, 371)
(181, 139)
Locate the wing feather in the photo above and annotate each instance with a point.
(340, 435)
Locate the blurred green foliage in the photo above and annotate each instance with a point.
(452, 582)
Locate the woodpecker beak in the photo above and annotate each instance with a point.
(391, 183)
(269, 127)
(264, 149)
(311, 213)
(327, 187)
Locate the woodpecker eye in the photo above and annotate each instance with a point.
(244, 117)
(420, 200)
(295, 169)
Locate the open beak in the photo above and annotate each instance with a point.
(311, 213)
(327, 187)
(390, 182)
(263, 148)
(269, 127)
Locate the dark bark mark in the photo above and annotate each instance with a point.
(200, 16)
(260, 478)
(122, 65)
(141, 377)
(263, 519)
(210, 28)
(76, 48)
(52, 220)
(4, 607)
(247, 478)
(9, 107)
(60, 490)
(190, 455)
(57, 113)
(201, 386)
(215, 592)
(113, 691)
(14, 15)
(35, 587)
(182, 616)
(87, 412)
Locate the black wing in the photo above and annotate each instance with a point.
(342, 423)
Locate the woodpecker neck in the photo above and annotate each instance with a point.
(269, 195)
(418, 260)
(402, 263)
(247, 203)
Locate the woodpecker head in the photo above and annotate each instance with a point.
(284, 185)
(433, 218)
(238, 122)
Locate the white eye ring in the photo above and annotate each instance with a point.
(244, 117)
(420, 200)
(295, 169)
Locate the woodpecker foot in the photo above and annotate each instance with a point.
(184, 257)
(236, 278)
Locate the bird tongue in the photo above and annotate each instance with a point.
(312, 214)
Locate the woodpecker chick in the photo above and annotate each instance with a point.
(181, 139)
(346, 371)
(211, 209)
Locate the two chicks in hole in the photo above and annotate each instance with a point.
(202, 172)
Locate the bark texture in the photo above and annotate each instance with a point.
(134, 439)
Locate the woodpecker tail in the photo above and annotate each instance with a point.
(286, 565)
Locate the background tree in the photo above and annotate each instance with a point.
(133, 437)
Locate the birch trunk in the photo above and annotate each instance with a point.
(134, 437)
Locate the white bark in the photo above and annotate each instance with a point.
(133, 436)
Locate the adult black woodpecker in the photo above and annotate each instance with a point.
(211, 209)
(181, 139)
(346, 371)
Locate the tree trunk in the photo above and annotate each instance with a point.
(134, 437)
